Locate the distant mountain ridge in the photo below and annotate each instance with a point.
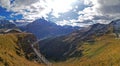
(5, 24)
(116, 27)
(19, 24)
(43, 28)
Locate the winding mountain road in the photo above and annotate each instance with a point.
(41, 57)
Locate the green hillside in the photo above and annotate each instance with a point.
(105, 51)
(16, 51)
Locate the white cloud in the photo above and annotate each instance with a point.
(5, 3)
(33, 9)
(30, 9)
(101, 11)
(74, 22)
(25, 2)
(60, 6)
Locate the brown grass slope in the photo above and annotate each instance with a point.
(13, 50)
(105, 51)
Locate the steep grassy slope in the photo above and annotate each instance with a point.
(61, 48)
(105, 51)
(16, 51)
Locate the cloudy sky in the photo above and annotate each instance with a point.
(62, 12)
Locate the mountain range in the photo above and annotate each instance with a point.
(42, 28)
(68, 46)
(6, 24)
